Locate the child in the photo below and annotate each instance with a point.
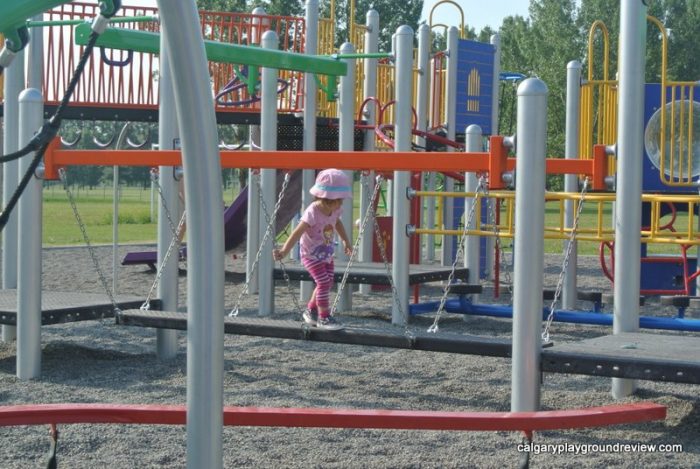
(315, 233)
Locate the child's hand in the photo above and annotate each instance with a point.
(347, 248)
(278, 254)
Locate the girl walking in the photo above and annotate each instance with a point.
(315, 233)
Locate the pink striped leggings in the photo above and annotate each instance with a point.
(322, 273)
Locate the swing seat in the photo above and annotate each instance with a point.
(463, 289)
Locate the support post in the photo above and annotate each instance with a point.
(630, 134)
(268, 132)
(168, 138)
(451, 112)
(253, 234)
(205, 233)
(346, 106)
(308, 176)
(14, 83)
(31, 118)
(529, 245)
(573, 99)
(402, 179)
(367, 180)
(423, 84)
(472, 253)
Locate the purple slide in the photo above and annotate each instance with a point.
(236, 220)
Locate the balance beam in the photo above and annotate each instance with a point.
(337, 418)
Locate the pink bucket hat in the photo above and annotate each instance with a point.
(332, 184)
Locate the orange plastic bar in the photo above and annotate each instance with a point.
(337, 418)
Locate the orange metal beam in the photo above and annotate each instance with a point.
(496, 162)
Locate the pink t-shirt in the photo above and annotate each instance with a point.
(317, 241)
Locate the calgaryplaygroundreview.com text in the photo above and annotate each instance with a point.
(588, 448)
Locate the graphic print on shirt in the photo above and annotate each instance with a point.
(324, 251)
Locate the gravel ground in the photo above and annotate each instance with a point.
(98, 361)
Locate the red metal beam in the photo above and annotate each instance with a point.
(337, 418)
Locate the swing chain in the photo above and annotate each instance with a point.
(460, 253)
(86, 238)
(565, 264)
(505, 267)
(175, 240)
(353, 255)
(164, 204)
(382, 251)
(268, 231)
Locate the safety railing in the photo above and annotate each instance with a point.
(596, 224)
(598, 110)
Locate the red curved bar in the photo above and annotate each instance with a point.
(337, 418)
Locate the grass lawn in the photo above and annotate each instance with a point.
(135, 226)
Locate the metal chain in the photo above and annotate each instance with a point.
(164, 204)
(565, 264)
(370, 212)
(505, 267)
(268, 231)
(460, 253)
(91, 249)
(175, 240)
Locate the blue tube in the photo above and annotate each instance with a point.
(576, 317)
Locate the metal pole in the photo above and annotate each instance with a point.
(451, 107)
(308, 176)
(402, 179)
(490, 242)
(205, 233)
(422, 110)
(31, 110)
(14, 83)
(253, 234)
(630, 134)
(346, 142)
(529, 245)
(370, 116)
(35, 57)
(573, 101)
(268, 130)
(471, 252)
(168, 139)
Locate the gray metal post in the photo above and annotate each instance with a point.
(308, 176)
(630, 134)
(268, 131)
(573, 99)
(14, 83)
(402, 179)
(31, 117)
(451, 107)
(168, 139)
(253, 234)
(367, 181)
(35, 56)
(471, 251)
(346, 106)
(205, 233)
(529, 245)
(432, 177)
(422, 88)
(490, 243)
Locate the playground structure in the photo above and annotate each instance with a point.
(205, 420)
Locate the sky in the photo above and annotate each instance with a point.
(475, 15)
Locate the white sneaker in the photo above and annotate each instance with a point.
(310, 317)
(329, 323)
